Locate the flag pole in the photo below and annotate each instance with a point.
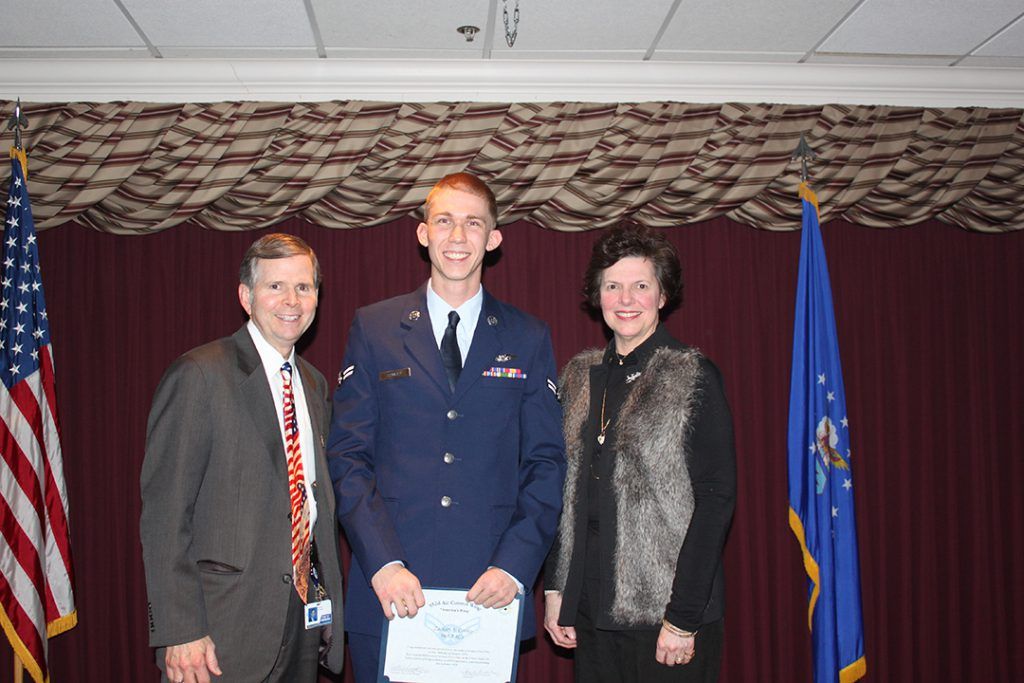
(803, 152)
(16, 123)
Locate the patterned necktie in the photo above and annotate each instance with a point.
(296, 489)
(450, 354)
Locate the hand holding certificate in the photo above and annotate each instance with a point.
(451, 639)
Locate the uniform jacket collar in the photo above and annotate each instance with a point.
(420, 343)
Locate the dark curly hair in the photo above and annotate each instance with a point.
(634, 240)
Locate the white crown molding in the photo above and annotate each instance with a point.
(209, 80)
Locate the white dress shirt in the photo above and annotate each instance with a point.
(272, 362)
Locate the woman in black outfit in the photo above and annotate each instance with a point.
(635, 579)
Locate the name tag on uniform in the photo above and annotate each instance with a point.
(395, 374)
(318, 614)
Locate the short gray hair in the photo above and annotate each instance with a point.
(274, 246)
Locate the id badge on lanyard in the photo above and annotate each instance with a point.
(318, 613)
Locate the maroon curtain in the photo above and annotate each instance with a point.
(930, 329)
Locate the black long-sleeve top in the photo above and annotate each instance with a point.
(698, 586)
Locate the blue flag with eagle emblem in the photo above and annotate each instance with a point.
(820, 479)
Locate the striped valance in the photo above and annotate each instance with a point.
(134, 167)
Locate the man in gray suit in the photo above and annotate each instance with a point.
(234, 454)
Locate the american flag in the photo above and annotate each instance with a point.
(36, 595)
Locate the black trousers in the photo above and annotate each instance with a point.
(628, 656)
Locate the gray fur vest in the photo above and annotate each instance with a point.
(653, 494)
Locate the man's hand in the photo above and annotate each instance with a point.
(192, 662)
(494, 588)
(396, 585)
(564, 636)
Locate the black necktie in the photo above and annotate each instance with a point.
(450, 350)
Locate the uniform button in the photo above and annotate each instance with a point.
(286, 578)
(452, 414)
(449, 458)
(313, 485)
(446, 501)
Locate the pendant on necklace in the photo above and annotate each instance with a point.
(600, 439)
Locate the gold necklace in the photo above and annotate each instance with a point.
(604, 423)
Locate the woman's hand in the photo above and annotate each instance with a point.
(564, 636)
(674, 649)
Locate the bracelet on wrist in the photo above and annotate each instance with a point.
(675, 630)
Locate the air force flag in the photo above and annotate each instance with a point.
(820, 479)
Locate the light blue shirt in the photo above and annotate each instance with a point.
(469, 314)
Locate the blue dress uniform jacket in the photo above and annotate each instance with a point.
(448, 483)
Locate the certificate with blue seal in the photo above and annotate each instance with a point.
(451, 639)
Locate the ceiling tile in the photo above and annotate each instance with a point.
(723, 56)
(569, 55)
(752, 25)
(573, 26)
(126, 53)
(402, 53)
(921, 26)
(584, 25)
(998, 62)
(225, 53)
(399, 24)
(880, 60)
(60, 24)
(224, 23)
(1009, 43)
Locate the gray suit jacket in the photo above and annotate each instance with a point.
(215, 527)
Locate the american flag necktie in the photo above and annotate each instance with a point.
(296, 489)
